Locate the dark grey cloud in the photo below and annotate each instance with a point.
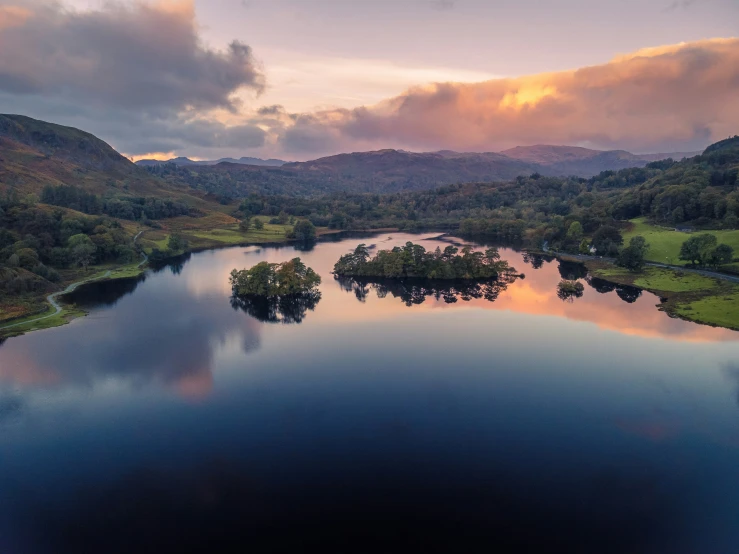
(275, 109)
(136, 75)
(309, 135)
(139, 56)
(137, 132)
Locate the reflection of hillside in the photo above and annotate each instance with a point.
(104, 293)
(282, 309)
(411, 291)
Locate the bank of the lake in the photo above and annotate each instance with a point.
(684, 293)
(44, 312)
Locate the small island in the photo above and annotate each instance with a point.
(412, 261)
(276, 293)
(275, 280)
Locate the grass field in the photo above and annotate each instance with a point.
(665, 243)
(722, 310)
(215, 231)
(67, 314)
(654, 278)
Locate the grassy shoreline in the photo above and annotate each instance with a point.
(199, 239)
(684, 295)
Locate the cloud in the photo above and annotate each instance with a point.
(678, 4)
(133, 56)
(677, 97)
(137, 75)
(443, 5)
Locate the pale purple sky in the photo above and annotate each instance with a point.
(319, 55)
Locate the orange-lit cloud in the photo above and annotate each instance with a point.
(672, 97)
(13, 16)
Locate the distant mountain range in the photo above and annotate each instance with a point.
(187, 161)
(34, 153)
(450, 166)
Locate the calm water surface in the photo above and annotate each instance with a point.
(382, 420)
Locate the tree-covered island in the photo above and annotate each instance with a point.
(275, 293)
(272, 280)
(414, 262)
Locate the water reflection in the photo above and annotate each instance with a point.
(227, 506)
(495, 417)
(159, 339)
(283, 309)
(731, 372)
(413, 292)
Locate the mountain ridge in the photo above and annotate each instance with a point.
(244, 160)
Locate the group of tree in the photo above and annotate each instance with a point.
(704, 250)
(303, 231)
(633, 256)
(275, 280)
(36, 241)
(413, 261)
(176, 246)
(121, 207)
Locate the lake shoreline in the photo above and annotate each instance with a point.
(692, 299)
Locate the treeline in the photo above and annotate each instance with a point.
(131, 208)
(413, 261)
(36, 241)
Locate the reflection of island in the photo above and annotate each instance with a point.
(568, 290)
(415, 291)
(277, 309)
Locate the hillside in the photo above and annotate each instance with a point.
(386, 171)
(585, 162)
(35, 154)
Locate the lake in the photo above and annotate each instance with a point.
(382, 419)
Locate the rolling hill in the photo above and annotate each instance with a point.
(386, 171)
(34, 154)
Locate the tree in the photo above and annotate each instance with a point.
(722, 254)
(632, 257)
(176, 243)
(697, 249)
(304, 231)
(258, 224)
(606, 240)
(574, 234)
(245, 224)
(82, 250)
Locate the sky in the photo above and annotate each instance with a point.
(299, 79)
